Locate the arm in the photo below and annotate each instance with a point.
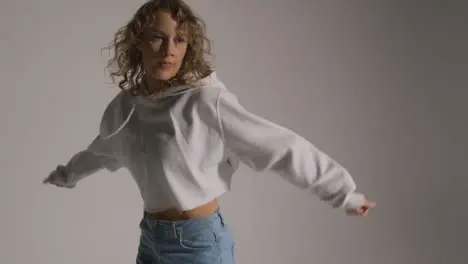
(96, 157)
(263, 145)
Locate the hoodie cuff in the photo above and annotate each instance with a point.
(354, 200)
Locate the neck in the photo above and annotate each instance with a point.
(152, 85)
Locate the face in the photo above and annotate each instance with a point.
(163, 48)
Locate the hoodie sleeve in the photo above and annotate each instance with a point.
(263, 145)
(97, 156)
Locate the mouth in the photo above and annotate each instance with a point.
(166, 64)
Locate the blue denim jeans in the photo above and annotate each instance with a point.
(197, 241)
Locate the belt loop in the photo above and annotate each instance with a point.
(174, 230)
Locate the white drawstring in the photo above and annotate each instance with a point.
(123, 124)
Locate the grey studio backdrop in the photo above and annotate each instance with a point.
(381, 86)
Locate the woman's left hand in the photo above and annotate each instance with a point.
(363, 210)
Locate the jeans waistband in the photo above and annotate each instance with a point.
(180, 223)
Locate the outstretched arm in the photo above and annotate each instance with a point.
(97, 156)
(264, 145)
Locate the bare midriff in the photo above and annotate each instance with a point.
(174, 214)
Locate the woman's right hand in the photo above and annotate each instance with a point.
(363, 210)
(58, 177)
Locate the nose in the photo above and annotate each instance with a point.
(168, 48)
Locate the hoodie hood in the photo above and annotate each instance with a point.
(120, 110)
(211, 80)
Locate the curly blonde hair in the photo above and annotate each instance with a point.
(127, 66)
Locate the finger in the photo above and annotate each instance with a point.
(358, 212)
(353, 212)
(369, 204)
(364, 212)
(49, 179)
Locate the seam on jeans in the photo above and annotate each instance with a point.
(183, 245)
(232, 251)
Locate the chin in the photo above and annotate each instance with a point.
(163, 75)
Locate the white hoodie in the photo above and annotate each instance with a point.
(182, 148)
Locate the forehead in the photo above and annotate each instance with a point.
(164, 22)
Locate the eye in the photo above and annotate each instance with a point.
(156, 37)
(180, 39)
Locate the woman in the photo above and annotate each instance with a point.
(181, 134)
